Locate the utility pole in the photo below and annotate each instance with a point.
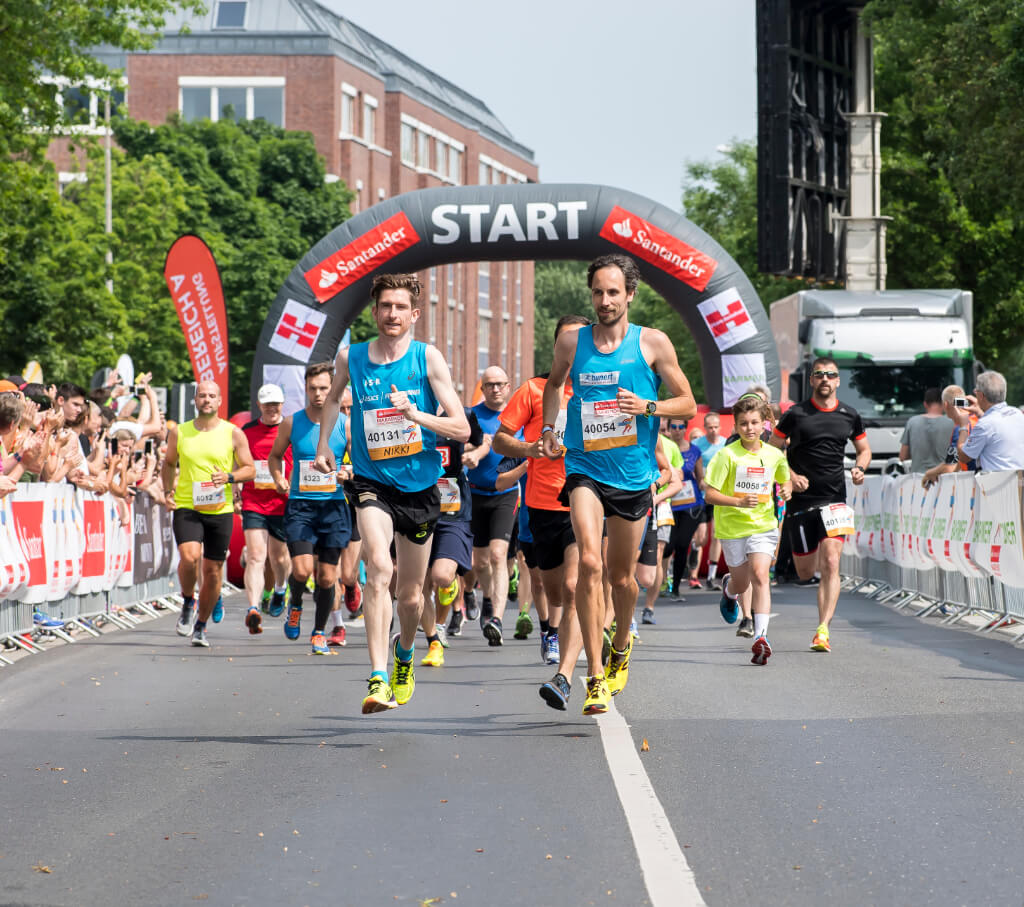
(108, 193)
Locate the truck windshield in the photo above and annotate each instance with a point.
(895, 392)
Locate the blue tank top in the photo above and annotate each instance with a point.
(385, 447)
(483, 476)
(602, 443)
(305, 437)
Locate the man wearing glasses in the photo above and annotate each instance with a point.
(494, 512)
(817, 430)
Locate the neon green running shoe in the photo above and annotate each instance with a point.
(447, 594)
(403, 677)
(524, 625)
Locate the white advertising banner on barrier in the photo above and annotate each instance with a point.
(996, 532)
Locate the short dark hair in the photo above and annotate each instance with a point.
(319, 368)
(69, 389)
(824, 360)
(616, 260)
(751, 403)
(932, 396)
(409, 282)
(569, 320)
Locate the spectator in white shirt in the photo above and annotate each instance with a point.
(997, 441)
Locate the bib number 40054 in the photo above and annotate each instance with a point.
(605, 426)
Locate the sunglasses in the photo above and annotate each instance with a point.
(819, 373)
(679, 425)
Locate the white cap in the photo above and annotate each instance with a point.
(270, 393)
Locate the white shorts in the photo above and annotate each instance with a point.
(737, 550)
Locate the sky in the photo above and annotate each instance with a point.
(620, 94)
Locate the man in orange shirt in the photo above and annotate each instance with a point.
(554, 541)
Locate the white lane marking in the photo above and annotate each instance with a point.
(670, 881)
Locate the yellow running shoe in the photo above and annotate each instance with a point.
(380, 697)
(435, 655)
(403, 677)
(617, 672)
(598, 698)
(821, 643)
(448, 594)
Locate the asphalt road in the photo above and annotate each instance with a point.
(137, 770)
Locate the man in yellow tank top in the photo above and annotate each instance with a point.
(208, 454)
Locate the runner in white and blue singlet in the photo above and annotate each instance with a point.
(611, 433)
(397, 385)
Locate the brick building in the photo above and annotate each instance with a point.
(384, 124)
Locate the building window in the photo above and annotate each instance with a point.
(519, 288)
(408, 145)
(217, 97)
(231, 14)
(423, 151)
(441, 158)
(484, 285)
(455, 166)
(451, 282)
(483, 174)
(348, 109)
(369, 119)
(484, 340)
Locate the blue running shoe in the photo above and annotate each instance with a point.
(556, 692)
(291, 625)
(218, 610)
(729, 607)
(553, 656)
(276, 606)
(45, 622)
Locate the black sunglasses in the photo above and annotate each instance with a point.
(819, 373)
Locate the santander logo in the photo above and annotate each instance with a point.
(663, 250)
(360, 257)
(32, 545)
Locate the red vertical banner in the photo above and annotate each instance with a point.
(194, 281)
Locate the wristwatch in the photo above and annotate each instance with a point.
(651, 406)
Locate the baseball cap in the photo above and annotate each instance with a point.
(270, 393)
(7, 387)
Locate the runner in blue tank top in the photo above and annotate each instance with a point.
(397, 385)
(611, 433)
(317, 522)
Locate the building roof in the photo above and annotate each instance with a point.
(292, 27)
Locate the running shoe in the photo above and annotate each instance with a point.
(199, 639)
(553, 656)
(633, 631)
(606, 647)
(695, 584)
(617, 672)
(311, 584)
(254, 621)
(513, 581)
(556, 692)
(598, 696)
(353, 598)
(291, 625)
(379, 698)
(811, 581)
(277, 602)
(446, 595)
(403, 677)
(821, 643)
(729, 607)
(492, 632)
(524, 625)
(336, 636)
(45, 622)
(711, 584)
(664, 586)
(762, 650)
(186, 618)
(471, 608)
(218, 610)
(442, 635)
(318, 644)
(435, 655)
(647, 617)
(746, 628)
(455, 623)
(265, 601)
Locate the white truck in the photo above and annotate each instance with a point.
(890, 347)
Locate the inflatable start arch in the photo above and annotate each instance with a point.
(330, 286)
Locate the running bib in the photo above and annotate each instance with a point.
(665, 517)
(753, 480)
(560, 426)
(389, 434)
(838, 519)
(686, 495)
(451, 499)
(311, 479)
(605, 426)
(207, 496)
(263, 481)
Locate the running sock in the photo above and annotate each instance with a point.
(380, 675)
(761, 624)
(298, 588)
(324, 598)
(339, 620)
(431, 639)
(712, 572)
(280, 590)
(199, 625)
(725, 589)
(545, 626)
(486, 609)
(403, 654)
